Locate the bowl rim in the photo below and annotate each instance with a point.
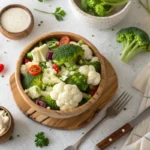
(59, 112)
(98, 17)
(16, 6)
(10, 120)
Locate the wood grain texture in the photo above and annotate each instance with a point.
(114, 136)
(7, 134)
(75, 122)
(18, 35)
(57, 113)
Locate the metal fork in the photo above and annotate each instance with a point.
(111, 111)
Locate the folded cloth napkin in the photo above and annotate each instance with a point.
(139, 139)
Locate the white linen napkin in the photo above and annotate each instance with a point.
(139, 139)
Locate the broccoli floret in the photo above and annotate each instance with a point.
(101, 7)
(96, 65)
(92, 3)
(134, 40)
(50, 102)
(53, 43)
(85, 6)
(79, 80)
(67, 54)
(29, 81)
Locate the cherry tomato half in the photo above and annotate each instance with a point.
(64, 40)
(26, 60)
(34, 70)
(1, 67)
(56, 68)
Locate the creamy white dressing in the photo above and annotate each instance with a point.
(4, 121)
(15, 20)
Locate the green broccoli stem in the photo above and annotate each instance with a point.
(116, 2)
(131, 53)
(127, 48)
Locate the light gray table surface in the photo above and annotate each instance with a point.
(105, 41)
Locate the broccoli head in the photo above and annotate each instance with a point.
(30, 80)
(50, 102)
(79, 80)
(101, 7)
(134, 40)
(67, 54)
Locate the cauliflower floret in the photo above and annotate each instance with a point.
(24, 68)
(64, 73)
(67, 96)
(49, 77)
(87, 52)
(94, 59)
(49, 64)
(93, 76)
(33, 92)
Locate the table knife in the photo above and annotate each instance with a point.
(122, 131)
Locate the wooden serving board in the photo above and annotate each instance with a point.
(73, 122)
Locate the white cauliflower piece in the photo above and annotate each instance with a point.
(39, 53)
(33, 92)
(94, 59)
(24, 68)
(49, 77)
(49, 64)
(64, 73)
(67, 96)
(93, 76)
(87, 52)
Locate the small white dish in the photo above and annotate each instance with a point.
(99, 22)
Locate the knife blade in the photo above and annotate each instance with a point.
(122, 131)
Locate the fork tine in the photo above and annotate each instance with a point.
(118, 98)
(125, 102)
(122, 100)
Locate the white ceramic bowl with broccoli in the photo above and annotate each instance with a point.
(100, 14)
(60, 74)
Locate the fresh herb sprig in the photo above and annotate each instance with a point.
(59, 13)
(41, 140)
(146, 5)
(40, 0)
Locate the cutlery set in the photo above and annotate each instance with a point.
(113, 111)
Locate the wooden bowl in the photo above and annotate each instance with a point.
(18, 35)
(58, 113)
(7, 134)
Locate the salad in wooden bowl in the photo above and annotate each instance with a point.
(60, 74)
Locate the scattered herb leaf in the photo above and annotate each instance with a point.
(40, 0)
(18, 135)
(2, 76)
(92, 35)
(41, 140)
(41, 22)
(59, 13)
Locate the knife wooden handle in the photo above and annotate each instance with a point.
(115, 136)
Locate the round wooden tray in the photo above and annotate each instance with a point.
(73, 122)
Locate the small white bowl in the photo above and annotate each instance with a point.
(99, 22)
